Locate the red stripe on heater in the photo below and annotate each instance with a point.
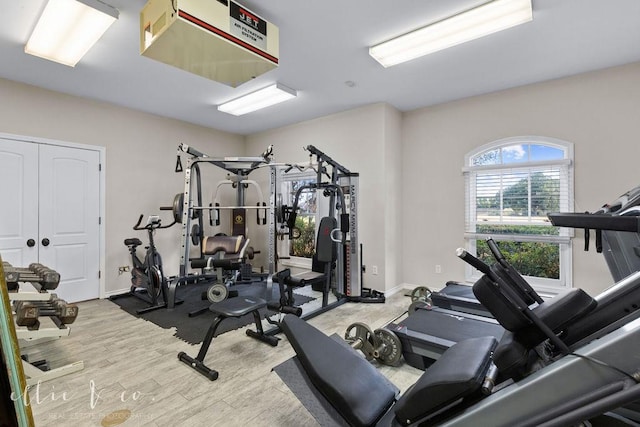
(209, 27)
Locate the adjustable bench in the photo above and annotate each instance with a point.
(364, 397)
(235, 307)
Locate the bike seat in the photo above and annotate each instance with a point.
(132, 242)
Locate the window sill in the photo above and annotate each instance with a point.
(297, 262)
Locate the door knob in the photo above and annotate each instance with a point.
(45, 242)
(31, 243)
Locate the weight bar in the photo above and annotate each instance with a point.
(250, 252)
(420, 298)
(361, 337)
(381, 344)
(388, 347)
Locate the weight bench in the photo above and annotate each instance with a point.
(235, 307)
(222, 253)
(362, 396)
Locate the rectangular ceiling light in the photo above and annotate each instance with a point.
(257, 100)
(67, 29)
(483, 20)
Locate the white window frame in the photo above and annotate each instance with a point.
(564, 239)
(296, 261)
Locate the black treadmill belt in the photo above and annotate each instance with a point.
(451, 327)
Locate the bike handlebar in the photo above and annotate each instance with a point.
(152, 225)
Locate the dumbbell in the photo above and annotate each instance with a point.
(49, 279)
(39, 274)
(27, 312)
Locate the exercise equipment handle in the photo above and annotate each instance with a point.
(495, 251)
(137, 226)
(474, 262)
(155, 225)
(190, 150)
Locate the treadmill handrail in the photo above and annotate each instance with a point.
(596, 221)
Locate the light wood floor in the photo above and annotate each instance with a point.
(131, 364)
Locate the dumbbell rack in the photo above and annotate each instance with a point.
(48, 330)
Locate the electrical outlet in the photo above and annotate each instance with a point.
(374, 269)
(438, 268)
(123, 269)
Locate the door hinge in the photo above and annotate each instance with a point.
(99, 167)
(99, 220)
(99, 274)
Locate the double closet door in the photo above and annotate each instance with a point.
(50, 213)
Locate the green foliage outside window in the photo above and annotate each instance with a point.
(535, 259)
(304, 246)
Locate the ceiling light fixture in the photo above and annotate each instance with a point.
(257, 100)
(483, 20)
(67, 29)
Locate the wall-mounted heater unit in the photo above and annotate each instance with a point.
(217, 39)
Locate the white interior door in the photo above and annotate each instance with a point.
(69, 219)
(19, 196)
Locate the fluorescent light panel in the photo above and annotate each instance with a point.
(483, 20)
(67, 29)
(257, 100)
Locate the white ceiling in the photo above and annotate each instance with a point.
(323, 44)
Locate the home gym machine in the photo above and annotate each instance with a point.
(340, 186)
(189, 210)
(148, 282)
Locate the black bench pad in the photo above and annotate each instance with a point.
(458, 373)
(352, 385)
(237, 307)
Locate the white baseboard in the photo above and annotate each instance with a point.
(400, 288)
(109, 294)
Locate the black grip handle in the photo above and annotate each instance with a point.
(344, 222)
(473, 261)
(495, 250)
(137, 226)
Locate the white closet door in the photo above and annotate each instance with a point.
(19, 201)
(69, 219)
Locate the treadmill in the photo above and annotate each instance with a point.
(429, 331)
(459, 297)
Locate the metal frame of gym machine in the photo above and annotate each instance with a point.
(239, 166)
(347, 278)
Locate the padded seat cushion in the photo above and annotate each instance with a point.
(352, 385)
(238, 306)
(458, 373)
(557, 313)
(510, 356)
(211, 245)
(134, 241)
(565, 308)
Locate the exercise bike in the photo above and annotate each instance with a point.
(148, 282)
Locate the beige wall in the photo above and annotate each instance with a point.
(597, 111)
(359, 139)
(141, 154)
(412, 190)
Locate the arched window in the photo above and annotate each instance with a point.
(511, 185)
